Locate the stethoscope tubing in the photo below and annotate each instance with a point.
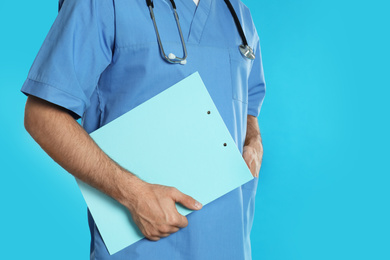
(237, 22)
(244, 48)
(167, 58)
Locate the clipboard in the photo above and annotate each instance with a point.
(177, 138)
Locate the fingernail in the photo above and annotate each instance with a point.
(198, 205)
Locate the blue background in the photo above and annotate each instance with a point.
(324, 186)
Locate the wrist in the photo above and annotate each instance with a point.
(128, 187)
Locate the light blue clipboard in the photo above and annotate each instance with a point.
(176, 138)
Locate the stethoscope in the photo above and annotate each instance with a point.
(244, 48)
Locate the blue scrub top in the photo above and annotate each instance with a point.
(101, 59)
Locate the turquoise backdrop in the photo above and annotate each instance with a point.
(324, 186)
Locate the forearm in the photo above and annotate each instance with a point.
(70, 146)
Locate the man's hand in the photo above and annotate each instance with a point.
(253, 147)
(154, 210)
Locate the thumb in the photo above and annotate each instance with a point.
(186, 201)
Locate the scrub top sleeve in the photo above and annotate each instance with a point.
(77, 49)
(256, 91)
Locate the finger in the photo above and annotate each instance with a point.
(153, 238)
(248, 158)
(171, 230)
(254, 172)
(182, 221)
(175, 229)
(164, 234)
(185, 200)
(253, 167)
(249, 161)
(256, 168)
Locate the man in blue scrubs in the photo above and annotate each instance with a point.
(101, 59)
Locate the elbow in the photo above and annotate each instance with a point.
(35, 115)
(30, 120)
(40, 116)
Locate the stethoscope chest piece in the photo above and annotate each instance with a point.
(247, 51)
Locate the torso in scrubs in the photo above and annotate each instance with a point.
(101, 59)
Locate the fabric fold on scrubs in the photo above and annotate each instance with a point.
(256, 84)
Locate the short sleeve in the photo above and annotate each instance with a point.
(77, 49)
(256, 83)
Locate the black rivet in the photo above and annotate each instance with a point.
(208, 112)
(225, 144)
